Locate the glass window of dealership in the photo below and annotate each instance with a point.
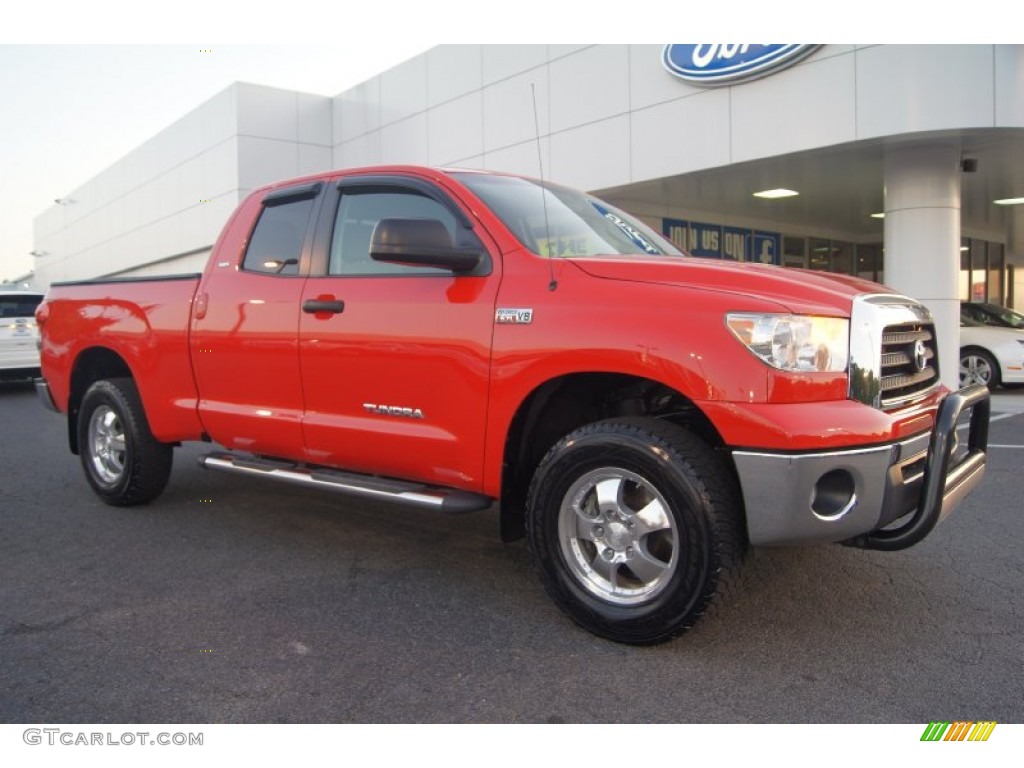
(984, 274)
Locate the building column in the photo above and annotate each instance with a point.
(922, 238)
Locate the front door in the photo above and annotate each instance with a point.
(395, 359)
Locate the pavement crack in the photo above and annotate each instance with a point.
(21, 628)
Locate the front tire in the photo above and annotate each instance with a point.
(123, 462)
(635, 526)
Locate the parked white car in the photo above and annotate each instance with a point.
(19, 336)
(990, 355)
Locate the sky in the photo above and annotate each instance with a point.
(70, 111)
(83, 84)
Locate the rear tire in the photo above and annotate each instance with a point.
(123, 462)
(635, 526)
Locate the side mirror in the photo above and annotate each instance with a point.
(421, 243)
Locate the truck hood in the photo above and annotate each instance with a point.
(798, 290)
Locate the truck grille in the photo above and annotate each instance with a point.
(909, 363)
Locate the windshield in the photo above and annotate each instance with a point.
(552, 220)
(1005, 316)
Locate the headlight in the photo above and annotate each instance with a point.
(795, 342)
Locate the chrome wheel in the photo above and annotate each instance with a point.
(635, 525)
(617, 536)
(107, 447)
(975, 368)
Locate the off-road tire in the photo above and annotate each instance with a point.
(123, 462)
(614, 493)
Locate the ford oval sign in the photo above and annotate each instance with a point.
(709, 64)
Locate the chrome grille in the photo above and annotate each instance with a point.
(909, 361)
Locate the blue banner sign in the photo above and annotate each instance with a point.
(709, 64)
(735, 244)
(712, 241)
(767, 248)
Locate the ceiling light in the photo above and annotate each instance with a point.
(878, 215)
(1010, 201)
(773, 194)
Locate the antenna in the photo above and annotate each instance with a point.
(552, 283)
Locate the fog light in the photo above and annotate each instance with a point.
(835, 494)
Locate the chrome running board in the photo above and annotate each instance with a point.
(446, 500)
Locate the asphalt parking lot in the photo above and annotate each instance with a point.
(230, 600)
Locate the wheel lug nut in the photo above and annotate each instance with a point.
(629, 551)
(608, 554)
(599, 531)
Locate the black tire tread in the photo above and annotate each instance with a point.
(148, 465)
(712, 480)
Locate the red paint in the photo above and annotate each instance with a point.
(245, 365)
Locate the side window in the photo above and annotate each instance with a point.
(276, 244)
(358, 214)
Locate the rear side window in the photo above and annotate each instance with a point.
(19, 305)
(275, 247)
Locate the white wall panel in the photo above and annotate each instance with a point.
(405, 141)
(453, 71)
(403, 90)
(475, 162)
(315, 118)
(363, 150)
(502, 61)
(508, 110)
(521, 158)
(649, 82)
(1009, 85)
(810, 105)
(314, 159)
(267, 113)
(909, 88)
(357, 111)
(261, 161)
(592, 156)
(680, 136)
(558, 51)
(590, 85)
(220, 163)
(455, 129)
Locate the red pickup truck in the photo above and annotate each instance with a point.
(451, 339)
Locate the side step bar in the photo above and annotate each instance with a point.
(447, 500)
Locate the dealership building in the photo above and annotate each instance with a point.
(905, 161)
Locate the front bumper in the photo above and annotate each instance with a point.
(884, 497)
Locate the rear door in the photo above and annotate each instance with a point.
(245, 325)
(396, 377)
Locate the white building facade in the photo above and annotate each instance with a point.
(898, 155)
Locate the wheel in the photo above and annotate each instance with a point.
(634, 526)
(978, 367)
(123, 462)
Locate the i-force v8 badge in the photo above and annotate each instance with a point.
(506, 315)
